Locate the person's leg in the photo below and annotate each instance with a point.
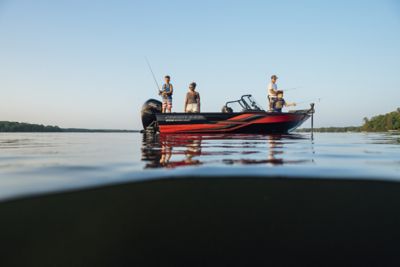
(270, 103)
(164, 105)
(195, 108)
(169, 105)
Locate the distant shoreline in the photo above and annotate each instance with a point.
(76, 131)
(73, 130)
(386, 123)
(356, 129)
(18, 127)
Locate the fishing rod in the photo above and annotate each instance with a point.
(152, 73)
(292, 89)
(318, 100)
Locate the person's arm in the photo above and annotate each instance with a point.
(271, 90)
(269, 87)
(171, 91)
(290, 104)
(198, 102)
(185, 105)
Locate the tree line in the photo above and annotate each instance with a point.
(381, 123)
(10, 126)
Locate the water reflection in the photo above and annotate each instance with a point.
(171, 151)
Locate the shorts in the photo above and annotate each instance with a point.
(192, 108)
(167, 103)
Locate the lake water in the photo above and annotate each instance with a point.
(34, 163)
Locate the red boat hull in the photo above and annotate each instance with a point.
(247, 122)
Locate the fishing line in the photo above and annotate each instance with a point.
(292, 89)
(152, 73)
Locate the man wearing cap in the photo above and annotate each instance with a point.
(272, 91)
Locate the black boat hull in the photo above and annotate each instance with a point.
(246, 122)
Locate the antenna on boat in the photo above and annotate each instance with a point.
(152, 73)
(312, 120)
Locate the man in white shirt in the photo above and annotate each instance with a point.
(272, 91)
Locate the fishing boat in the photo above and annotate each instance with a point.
(250, 119)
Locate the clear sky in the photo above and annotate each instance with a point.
(79, 63)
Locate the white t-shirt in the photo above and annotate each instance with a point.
(271, 88)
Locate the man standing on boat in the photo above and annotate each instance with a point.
(166, 93)
(272, 91)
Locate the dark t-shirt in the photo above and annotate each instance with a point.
(193, 98)
(278, 105)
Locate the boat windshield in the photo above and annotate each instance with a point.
(245, 103)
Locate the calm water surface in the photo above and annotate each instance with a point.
(32, 163)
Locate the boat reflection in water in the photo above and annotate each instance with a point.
(176, 150)
(158, 150)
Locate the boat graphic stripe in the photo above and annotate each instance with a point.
(226, 126)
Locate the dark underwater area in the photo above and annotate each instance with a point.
(215, 221)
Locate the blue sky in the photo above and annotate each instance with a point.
(81, 63)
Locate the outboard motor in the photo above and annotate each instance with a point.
(149, 110)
